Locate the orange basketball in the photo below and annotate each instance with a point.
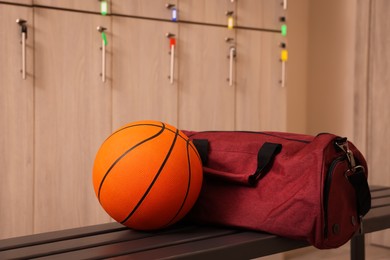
(147, 175)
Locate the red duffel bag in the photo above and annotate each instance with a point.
(304, 187)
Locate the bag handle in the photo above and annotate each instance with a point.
(265, 160)
(202, 145)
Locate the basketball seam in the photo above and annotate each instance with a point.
(188, 187)
(124, 154)
(126, 127)
(143, 124)
(153, 181)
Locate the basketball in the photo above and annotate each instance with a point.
(147, 175)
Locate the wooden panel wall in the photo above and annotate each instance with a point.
(330, 73)
(378, 131)
(72, 117)
(16, 124)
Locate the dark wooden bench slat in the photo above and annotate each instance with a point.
(380, 193)
(378, 187)
(380, 202)
(377, 219)
(144, 244)
(71, 244)
(244, 245)
(86, 241)
(49, 237)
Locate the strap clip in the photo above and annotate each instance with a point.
(342, 143)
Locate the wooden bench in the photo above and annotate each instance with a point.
(183, 241)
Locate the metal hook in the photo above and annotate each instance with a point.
(170, 35)
(23, 26)
(229, 39)
(229, 13)
(169, 6)
(23, 30)
(101, 29)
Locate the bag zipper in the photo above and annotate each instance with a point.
(342, 144)
(253, 132)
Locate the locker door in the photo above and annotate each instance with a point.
(16, 121)
(206, 11)
(156, 9)
(84, 5)
(26, 2)
(143, 88)
(264, 14)
(206, 97)
(378, 128)
(72, 116)
(261, 100)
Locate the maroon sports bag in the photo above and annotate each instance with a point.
(304, 187)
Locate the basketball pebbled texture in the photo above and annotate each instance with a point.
(147, 175)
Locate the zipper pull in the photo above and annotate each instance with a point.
(342, 143)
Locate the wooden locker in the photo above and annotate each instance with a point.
(156, 9)
(206, 12)
(84, 5)
(378, 143)
(72, 117)
(260, 97)
(142, 89)
(24, 2)
(261, 14)
(16, 122)
(206, 99)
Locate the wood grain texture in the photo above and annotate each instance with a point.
(206, 101)
(262, 14)
(378, 102)
(330, 70)
(72, 117)
(144, 8)
(260, 99)
(142, 89)
(361, 74)
(296, 67)
(26, 2)
(16, 124)
(84, 5)
(203, 11)
(379, 93)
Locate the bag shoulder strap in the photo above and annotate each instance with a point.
(357, 177)
(359, 182)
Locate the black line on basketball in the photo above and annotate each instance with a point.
(130, 126)
(194, 149)
(188, 187)
(124, 154)
(154, 180)
(191, 144)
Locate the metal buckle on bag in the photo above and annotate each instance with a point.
(343, 145)
(345, 148)
(355, 175)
